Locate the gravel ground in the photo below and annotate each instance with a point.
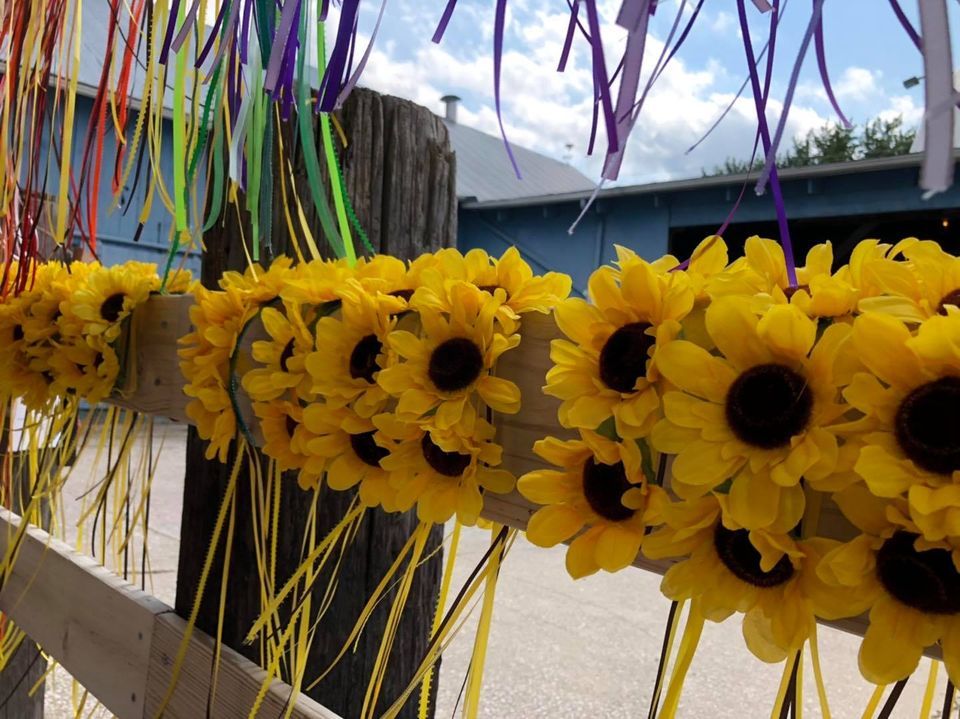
(558, 648)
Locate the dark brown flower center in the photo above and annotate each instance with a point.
(286, 355)
(97, 360)
(47, 376)
(738, 554)
(17, 333)
(493, 288)
(449, 464)
(789, 292)
(603, 487)
(455, 364)
(927, 581)
(367, 449)
(363, 359)
(768, 404)
(405, 294)
(927, 425)
(111, 307)
(623, 359)
(951, 298)
(291, 425)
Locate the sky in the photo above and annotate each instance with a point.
(868, 54)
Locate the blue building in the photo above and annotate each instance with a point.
(843, 203)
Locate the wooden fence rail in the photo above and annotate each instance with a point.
(119, 642)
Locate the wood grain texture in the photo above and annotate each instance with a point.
(238, 682)
(95, 624)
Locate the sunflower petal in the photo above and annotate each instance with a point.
(552, 525)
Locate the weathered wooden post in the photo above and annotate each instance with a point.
(399, 171)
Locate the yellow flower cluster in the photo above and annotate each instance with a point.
(59, 336)
(378, 376)
(718, 408)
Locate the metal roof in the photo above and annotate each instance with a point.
(484, 172)
(699, 183)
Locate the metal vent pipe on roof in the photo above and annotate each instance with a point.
(451, 102)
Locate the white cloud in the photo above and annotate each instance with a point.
(858, 84)
(722, 22)
(545, 110)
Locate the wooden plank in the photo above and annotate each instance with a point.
(91, 621)
(238, 682)
(119, 642)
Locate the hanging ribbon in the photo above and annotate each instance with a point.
(765, 138)
(936, 174)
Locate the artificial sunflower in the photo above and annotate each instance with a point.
(218, 318)
(761, 274)
(922, 285)
(522, 290)
(352, 452)
(609, 367)
(442, 472)
(910, 397)
(766, 405)
(910, 584)
(353, 348)
(600, 486)
(284, 435)
(452, 360)
(107, 295)
(314, 283)
(283, 356)
(88, 368)
(766, 575)
(16, 375)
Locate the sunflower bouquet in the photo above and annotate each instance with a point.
(719, 407)
(61, 337)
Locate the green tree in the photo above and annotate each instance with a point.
(885, 138)
(834, 143)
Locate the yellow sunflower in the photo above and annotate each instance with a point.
(766, 575)
(87, 367)
(283, 356)
(911, 399)
(922, 285)
(352, 451)
(218, 318)
(285, 438)
(911, 586)
(522, 290)
(386, 274)
(452, 360)
(609, 367)
(600, 486)
(17, 378)
(352, 349)
(443, 473)
(765, 406)
(314, 282)
(820, 292)
(108, 295)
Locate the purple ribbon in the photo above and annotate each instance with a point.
(635, 16)
(568, 40)
(168, 35)
(187, 26)
(355, 77)
(217, 26)
(499, 21)
(771, 149)
(444, 21)
(281, 40)
(824, 75)
(907, 25)
(600, 82)
(332, 80)
(936, 174)
(765, 138)
(245, 31)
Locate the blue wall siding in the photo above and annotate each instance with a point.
(116, 230)
(643, 221)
